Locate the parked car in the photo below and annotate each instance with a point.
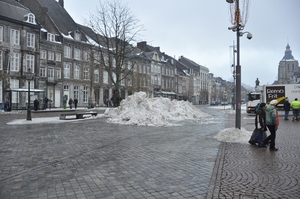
(213, 103)
(224, 103)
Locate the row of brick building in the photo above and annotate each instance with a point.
(40, 35)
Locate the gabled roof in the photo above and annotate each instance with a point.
(13, 10)
(62, 20)
(189, 63)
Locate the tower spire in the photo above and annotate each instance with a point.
(288, 53)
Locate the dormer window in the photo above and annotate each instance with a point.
(30, 18)
(77, 36)
(50, 37)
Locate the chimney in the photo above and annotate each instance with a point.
(61, 3)
(142, 45)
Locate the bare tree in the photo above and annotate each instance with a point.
(116, 30)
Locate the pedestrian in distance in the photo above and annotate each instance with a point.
(36, 104)
(287, 108)
(272, 122)
(260, 125)
(46, 100)
(75, 103)
(295, 105)
(70, 103)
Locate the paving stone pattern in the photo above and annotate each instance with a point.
(95, 159)
(245, 171)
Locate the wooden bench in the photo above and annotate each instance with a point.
(79, 115)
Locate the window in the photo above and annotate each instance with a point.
(122, 79)
(86, 73)
(77, 53)
(86, 56)
(51, 55)
(31, 18)
(15, 36)
(1, 33)
(42, 72)
(114, 76)
(96, 76)
(1, 60)
(57, 73)
(51, 73)
(106, 60)
(30, 40)
(67, 69)
(76, 92)
(67, 52)
(43, 54)
(96, 57)
(77, 36)
(58, 57)
(15, 62)
(114, 63)
(85, 94)
(30, 62)
(76, 71)
(129, 65)
(105, 77)
(14, 83)
(50, 37)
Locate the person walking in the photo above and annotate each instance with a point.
(36, 104)
(70, 103)
(272, 122)
(287, 108)
(75, 103)
(260, 124)
(295, 105)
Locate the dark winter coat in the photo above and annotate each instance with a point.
(260, 118)
(287, 106)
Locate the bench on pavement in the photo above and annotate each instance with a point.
(79, 115)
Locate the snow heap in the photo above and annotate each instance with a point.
(139, 109)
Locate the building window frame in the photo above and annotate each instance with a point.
(30, 62)
(76, 71)
(15, 36)
(67, 69)
(51, 55)
(43, 71)
(30, 40)
(1, 33)
(58, 57)
(67, 51)
(96, 76)
(15, 62)
(86, 73)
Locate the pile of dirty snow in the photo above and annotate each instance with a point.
(139, 109)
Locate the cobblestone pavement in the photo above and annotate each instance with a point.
(95, 159)
(245, 171)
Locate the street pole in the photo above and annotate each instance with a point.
(29, 76)
(28, 107)
(238, 70)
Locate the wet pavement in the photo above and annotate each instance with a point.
(95, 159)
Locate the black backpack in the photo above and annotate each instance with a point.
(257, 107)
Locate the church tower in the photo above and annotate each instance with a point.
(288, 68)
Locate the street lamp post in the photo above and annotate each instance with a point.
(238, 26)
(29, 76)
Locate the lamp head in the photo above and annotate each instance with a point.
(229, 1)
(29, 74)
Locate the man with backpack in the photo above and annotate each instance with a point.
(260, 126)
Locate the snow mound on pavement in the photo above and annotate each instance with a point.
(139, 109)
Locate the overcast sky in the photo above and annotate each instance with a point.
(198, 30)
